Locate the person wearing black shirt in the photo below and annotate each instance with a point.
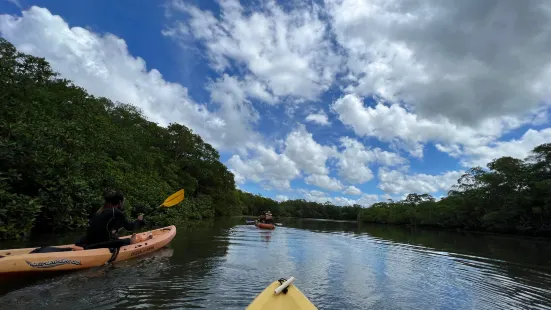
(108, 220)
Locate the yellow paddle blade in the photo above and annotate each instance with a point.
(174, 199)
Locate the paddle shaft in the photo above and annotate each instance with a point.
(172, 200)
(151, 212)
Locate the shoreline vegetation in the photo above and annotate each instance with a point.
(61, 147)
(510, 196)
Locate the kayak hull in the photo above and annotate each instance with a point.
(294, 299)
(17, 261)
(265, 226)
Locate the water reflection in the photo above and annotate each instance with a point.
(338, 265)
(266, 236)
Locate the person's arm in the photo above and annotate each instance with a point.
(130, 226)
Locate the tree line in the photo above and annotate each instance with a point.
(255, 204)
(512, 196)
(61, 147)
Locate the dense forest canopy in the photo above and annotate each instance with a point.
(61, 147)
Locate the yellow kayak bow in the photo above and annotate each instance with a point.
(281, 295)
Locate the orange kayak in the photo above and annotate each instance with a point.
(16, 261)
(264, 226)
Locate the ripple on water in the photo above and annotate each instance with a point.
(335, 269)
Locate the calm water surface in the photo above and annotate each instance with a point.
(338, 265)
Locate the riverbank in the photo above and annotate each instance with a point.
(282, 218)
(541, 235)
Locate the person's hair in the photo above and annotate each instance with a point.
(113, 198)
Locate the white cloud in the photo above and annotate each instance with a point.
(281, 198)
(323, 181)
(257, 89)
(315, 198)
(517, 148)
(237, 112)
(396, 125)
(352, 190)
(264, 166)
(396, 182)
(341, 201)
(321, 197)
(385, 197)
(307, 153)
(317, 193)
(466, 60)
(354, 159)
(102, 65)
(285, 50)
(367, 200)
(318, 118)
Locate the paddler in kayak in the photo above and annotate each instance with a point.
(262, 217)
(269, 219)
(107, 221)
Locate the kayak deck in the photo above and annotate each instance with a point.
(264, 226)
(290, 299)
(22, 261)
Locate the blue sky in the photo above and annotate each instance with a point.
(345, 101)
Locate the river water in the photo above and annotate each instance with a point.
(338, 265)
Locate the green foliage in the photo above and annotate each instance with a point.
(60, 148)
(512, 195)
(17, 214)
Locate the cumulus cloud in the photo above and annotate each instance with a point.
(317, 193)
(517, 148)
(286, 51)
(281, 198)
(264, 166)
(352, 190)
(397, 182)
(300, 153)
(238, 113)
(367, 200)
(103, 65)
(309, 155)
(354, 159)
(321, 197)
(324, 181)
(465, 60)
(318, 118)
(395, 124)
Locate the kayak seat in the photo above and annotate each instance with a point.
(50, 249)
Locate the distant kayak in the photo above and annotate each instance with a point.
(282, 295)
(265, 226)
(16, 261)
